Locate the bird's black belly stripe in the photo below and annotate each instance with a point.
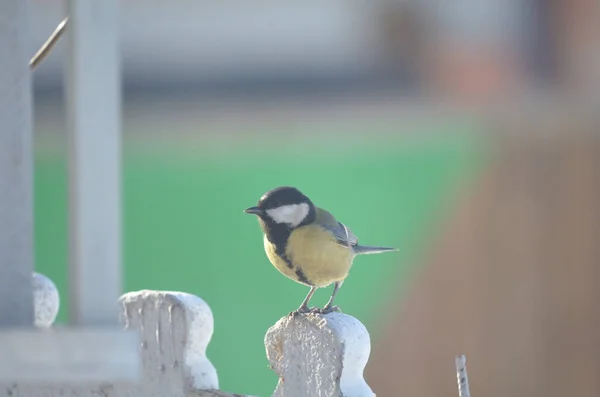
(278, 235)
(282, 255)
(302, 277)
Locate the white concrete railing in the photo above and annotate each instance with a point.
(314, 355)
(46, 301)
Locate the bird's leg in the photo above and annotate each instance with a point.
(304, 306)
(329, 306)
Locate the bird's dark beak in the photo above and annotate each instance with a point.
(253, 210)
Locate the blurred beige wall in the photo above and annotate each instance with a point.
(511, 280)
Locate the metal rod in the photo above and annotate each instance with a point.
(45, 49)
(93, 114)
(461, 376)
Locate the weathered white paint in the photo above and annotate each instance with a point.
(180, 326)
(46, 301)
(319, 356)
(64, 355)
(353, 335)
(199, 333)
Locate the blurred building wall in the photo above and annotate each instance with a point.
(466, 46)
(512, 278)
(462, 49)
(190, 40)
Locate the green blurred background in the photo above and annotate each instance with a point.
(184, 228)
(224, 101)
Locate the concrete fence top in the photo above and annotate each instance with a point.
(313, 355)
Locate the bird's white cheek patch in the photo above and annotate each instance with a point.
(292, 214)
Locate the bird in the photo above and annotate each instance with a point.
(307, 244)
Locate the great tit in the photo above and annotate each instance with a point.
(306, 243)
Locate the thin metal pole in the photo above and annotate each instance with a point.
(16, 167)
(47, 47)
(461, 376)
(93, 114)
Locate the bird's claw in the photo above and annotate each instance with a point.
(314, 310)
(302, 310)
(329, 309)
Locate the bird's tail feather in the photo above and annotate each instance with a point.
(367, 249)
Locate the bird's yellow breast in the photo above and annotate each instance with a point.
(315, 251)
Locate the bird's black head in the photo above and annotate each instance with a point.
(284, 206)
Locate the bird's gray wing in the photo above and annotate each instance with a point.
(341, 232)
